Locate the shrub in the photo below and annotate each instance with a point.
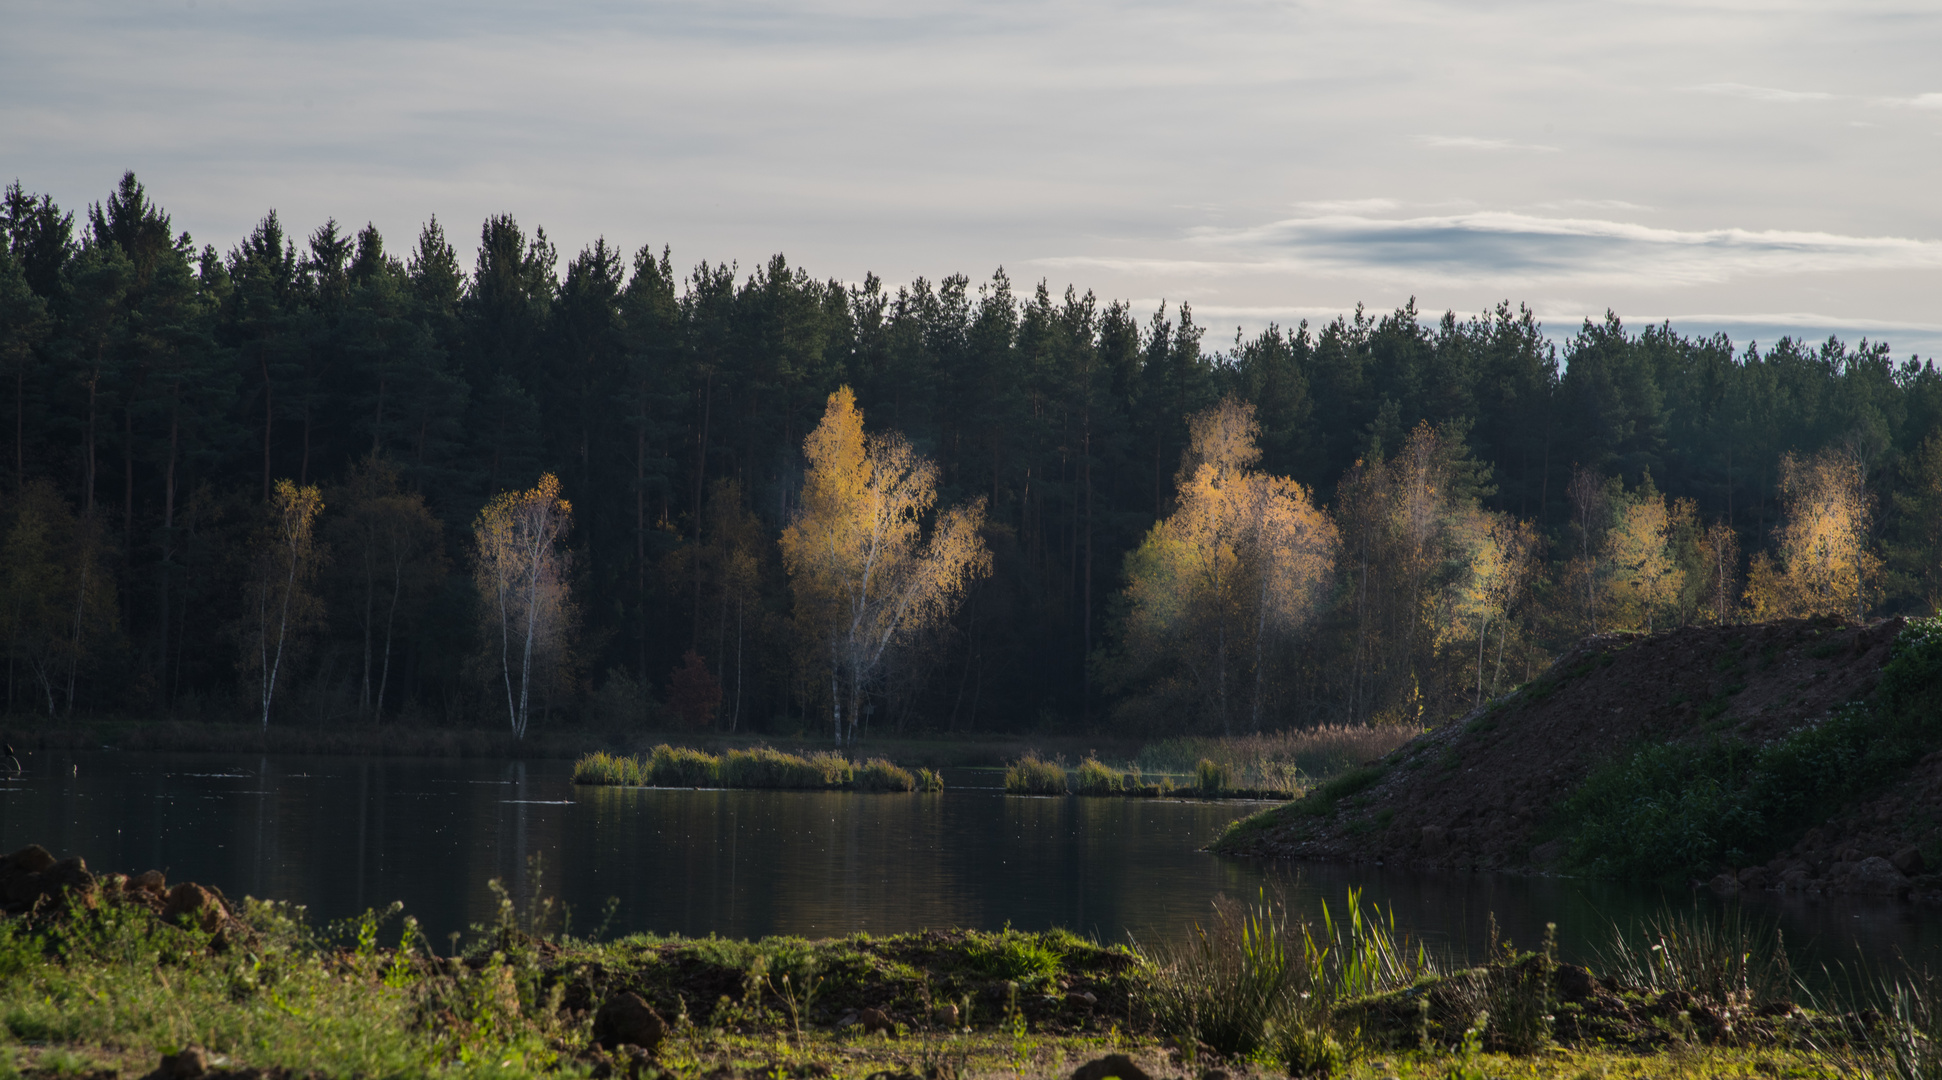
(877, 774)
(1094, 777)
(681, 766)
(1033, 775)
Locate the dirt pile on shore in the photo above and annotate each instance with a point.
(33, 883)
(1470, 794)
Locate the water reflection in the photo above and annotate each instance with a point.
(341, 835)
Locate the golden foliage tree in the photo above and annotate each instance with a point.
(1243, 560)
(1823, 564)
(279, 607)
(520, 566)
(865, 576)
(1498, 562)
(1402, 522)
(1643, 580)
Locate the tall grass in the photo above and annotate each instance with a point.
(1095, 777)
(1257, 982)
(766, 767)
(1727, 960)
(877, 774)
(617, 770)
(1033, 775)
(1286, 761)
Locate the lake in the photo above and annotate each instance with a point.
(341, 835)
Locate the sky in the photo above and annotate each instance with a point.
(1761, 169)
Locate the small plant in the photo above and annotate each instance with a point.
(1033, 775)
(929, 781)
(601, 768)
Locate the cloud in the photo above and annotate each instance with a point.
(1504, 248)
(1761, 93)
(1919, 101)
(1467, 142)
(1348, 206)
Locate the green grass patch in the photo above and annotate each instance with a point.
(760, 767)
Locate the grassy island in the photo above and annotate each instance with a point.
(104, 976)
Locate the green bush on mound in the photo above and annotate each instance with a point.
(765, 767)
(1033, 775)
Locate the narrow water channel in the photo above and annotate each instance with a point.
(340, 835)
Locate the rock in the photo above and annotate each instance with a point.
(1877, 876)
(875, 1020)
(31, 859)
(628, 1020)
(197, 904)
(1725, 885)
(1548, 852)
(190, 1064)
(149, 881)
(1908, 860)
(1794, 880)
(1118, 1065)
(947, 1014)
(1753, 878)
(1436, 840)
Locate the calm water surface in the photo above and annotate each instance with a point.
(344, 834)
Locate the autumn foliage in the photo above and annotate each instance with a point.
(867, 575)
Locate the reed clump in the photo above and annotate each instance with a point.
(1284, 763)
(766, 767)
(930, 781)
(761, 767)
(877, 774)
(602, 768)
(1034, 775)
(1095, 777)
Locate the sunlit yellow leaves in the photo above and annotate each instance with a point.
(1823, 564)
(521, 571)
(865, 577)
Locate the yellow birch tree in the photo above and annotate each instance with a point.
(1243, 560)
(865, 575)
(281, 608)
(521, 570)
(1823, 565)
(1643, 582)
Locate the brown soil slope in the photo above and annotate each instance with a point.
(1468, 795)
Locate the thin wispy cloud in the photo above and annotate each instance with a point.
(1505, 248)
(1762, 93)
(1470, 142)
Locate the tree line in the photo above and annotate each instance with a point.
(319, 479)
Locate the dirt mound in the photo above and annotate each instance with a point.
(1469, 794)
(34, 883)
